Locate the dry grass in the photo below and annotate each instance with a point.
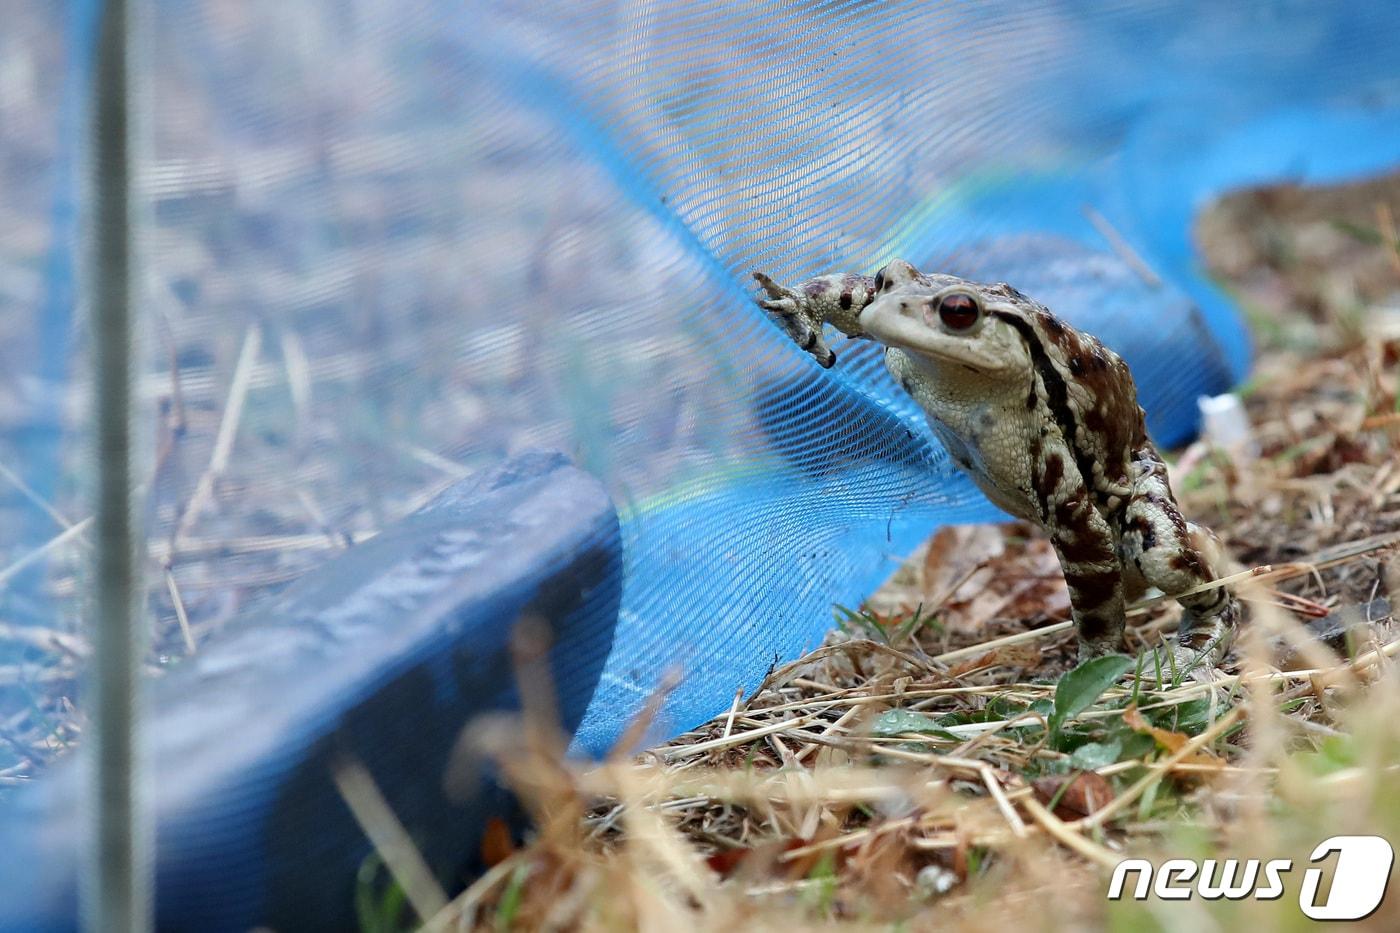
(930, 765)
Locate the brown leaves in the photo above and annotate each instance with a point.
(790, 858)
(1168, 740)
(1074, 795)
(496, 844)
(973, 574)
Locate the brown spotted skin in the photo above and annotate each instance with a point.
(1045, 420)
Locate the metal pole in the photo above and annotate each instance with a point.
(116, 893)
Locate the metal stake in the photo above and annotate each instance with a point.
(116, 895)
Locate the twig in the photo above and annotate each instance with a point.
(46, 639)
(733, 708)
(298, 381)
(1066, 836)
(391, 841)
(1003, 642)
(1385, 220)
(738, 738)
(461, 912)
(1121, 247)
(23, 487)
(42, 550)
(999, 795)
(223, 442)
(180, 615)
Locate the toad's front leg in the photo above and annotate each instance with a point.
(830, 299)
(1085, 543)
(1095, 580)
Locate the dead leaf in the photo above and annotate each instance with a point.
(496, 844)
(954, 551)
(725, 861)
(972, 576)
(1171, 741)
(1079, 794)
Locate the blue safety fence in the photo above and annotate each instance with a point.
(389, 245)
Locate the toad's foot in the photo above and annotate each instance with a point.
(799, 319)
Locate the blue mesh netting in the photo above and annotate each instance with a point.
(436, 233)
(818, 137)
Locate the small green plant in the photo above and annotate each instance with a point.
(862, 623)
(822, 895)
(380, 906)
(509, 904)
(1081, 687)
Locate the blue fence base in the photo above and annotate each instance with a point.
(381, 656)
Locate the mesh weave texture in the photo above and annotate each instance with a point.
(413, 237)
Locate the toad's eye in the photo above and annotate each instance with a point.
(958, 311)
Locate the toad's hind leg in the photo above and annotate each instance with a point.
(1174, 556)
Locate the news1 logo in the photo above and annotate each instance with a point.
(1358, 880)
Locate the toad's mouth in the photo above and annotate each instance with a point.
(895, 324)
